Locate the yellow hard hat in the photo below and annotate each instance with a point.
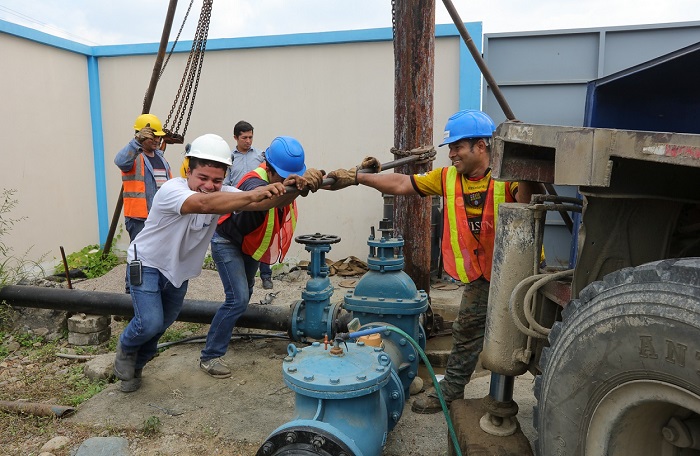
(149, 120)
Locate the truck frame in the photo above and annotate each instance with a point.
(614, 341)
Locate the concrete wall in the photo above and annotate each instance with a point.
(46, 149)
(334, 92)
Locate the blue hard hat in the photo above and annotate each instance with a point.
(469, 123)
(286, 155)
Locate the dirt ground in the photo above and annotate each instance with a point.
(203, 415)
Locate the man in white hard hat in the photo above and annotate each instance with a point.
(171, 248)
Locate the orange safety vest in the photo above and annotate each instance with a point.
(269, 242)
(466, 257)
(134, 182)
(135, 190)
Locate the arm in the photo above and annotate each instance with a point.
(227, 202)
(125, 157)
(392, 184)
(310, 181)
(526, 189)
(275, 201)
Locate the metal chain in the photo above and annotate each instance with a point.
(425, 153)
(184, 100)
(393, 19)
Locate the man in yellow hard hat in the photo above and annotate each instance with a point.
(144, 170)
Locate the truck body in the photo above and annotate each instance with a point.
(614, 342)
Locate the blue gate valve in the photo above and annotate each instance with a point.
(313, 317)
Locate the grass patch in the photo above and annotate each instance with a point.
(91, 261)
(182, 330)
(80, 388)
(151, 426)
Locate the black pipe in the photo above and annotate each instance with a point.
(273, 318)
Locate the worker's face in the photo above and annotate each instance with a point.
(205, 179)
(244, 141)
(150, 145)
(464, 156)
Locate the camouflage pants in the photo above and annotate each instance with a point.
(467, 340)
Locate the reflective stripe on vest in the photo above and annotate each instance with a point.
(269, 227)
(259, 244)
(135, 190)
(464, 257)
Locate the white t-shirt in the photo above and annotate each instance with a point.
(171, 242)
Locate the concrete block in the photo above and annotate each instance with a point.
(100, 367)
(94, 338)
(85, 324)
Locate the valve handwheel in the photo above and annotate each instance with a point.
(317, 238)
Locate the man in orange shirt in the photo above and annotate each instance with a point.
(471, 200)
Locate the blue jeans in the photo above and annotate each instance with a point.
(265, 270)
(133, 227)
(237, 271)
(157, 303)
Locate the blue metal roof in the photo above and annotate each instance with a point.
(662, 94)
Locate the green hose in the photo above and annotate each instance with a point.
(445, 410)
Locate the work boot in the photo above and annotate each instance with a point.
(129, 386)
(124, 364)
(215, 367)
(428, 405)
(267, 283)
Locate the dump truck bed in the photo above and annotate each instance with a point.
(588, 156)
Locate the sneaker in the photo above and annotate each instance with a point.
(129, 386)
(215, 367)
(428, 405)
(267, 283)
(124, 364)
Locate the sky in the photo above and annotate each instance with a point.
(103, 22)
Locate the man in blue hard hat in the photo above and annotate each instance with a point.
(243, 240)
(470, 199)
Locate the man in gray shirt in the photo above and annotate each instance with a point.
(245, 159)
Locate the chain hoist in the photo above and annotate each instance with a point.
(187, 92)
(393, 19)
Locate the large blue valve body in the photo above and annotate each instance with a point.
(350, 396)
(345, 400)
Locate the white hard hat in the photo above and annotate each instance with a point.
(210, 147)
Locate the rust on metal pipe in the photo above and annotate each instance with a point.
(476, 54)
(414, 62)
(148, 99)
(36, 409)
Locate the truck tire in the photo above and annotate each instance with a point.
(622, 373)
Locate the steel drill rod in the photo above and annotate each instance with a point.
(388, 165)
(148, 99)
(479, 60)
(273, 318)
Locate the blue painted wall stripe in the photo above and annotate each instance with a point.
(98, 147)
(43, 38)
